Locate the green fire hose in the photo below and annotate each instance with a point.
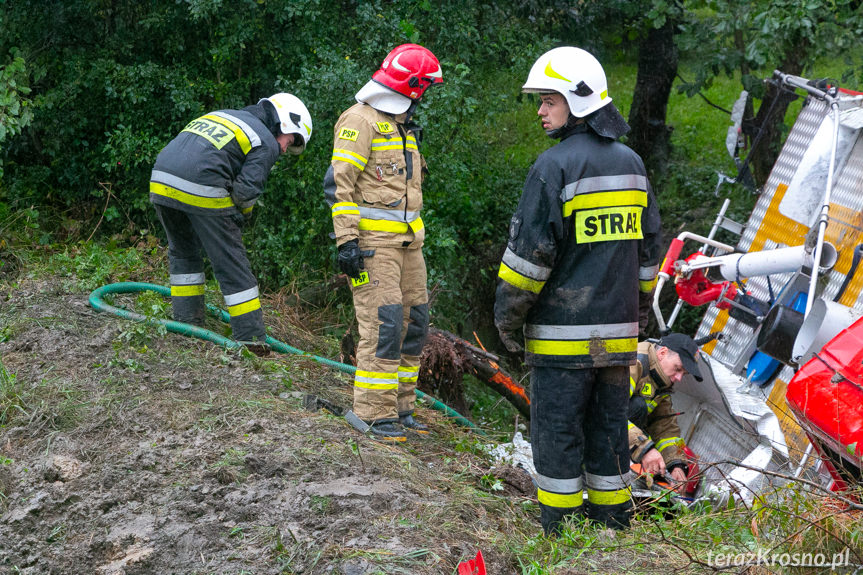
(98, 303)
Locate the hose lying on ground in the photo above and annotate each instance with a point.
(98, 303)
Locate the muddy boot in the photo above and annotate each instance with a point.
(388, 431)
(411, 424)
(259, 348)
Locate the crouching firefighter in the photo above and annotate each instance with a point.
(585, 233)
(203, 187)
(654, 434)
(374, 190)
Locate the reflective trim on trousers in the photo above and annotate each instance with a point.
(242, 296)
(187, 290)
(408, 374)
(607, 482)
(564, 500)
(187, 279)
(570, 485)
(376, 380)
(616, 497)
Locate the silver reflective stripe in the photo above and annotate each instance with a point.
(573, 485)
(241, 297)
(608, 482)
(524, 267)
(602, 184)
(647, 273)
(252, 135)
(187, 279)
(390, 215)
(187, 186)
(572, 332)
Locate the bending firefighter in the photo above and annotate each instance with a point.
(654, 434)
(374, 189)
(583, 239)
(203, 187)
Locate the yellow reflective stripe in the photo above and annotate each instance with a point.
(668, 442)
(522, 282)
(630, 425)
(187, 290)
(190, 199)
(383, 226)
(349, 157)
(557, 347)
(247, 210)
(608, 224)
(416, 225)
(566, 500)
(609, 497)
(646, 286)
(241, 136)
(379, 386)
(651, 405)
(394, 143)
(245, 307)
(364, 379)
(631, 387)
(605, 200)
(345, 209)
(411, 143)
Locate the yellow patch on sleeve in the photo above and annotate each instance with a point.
(385, 127)
(349, 134)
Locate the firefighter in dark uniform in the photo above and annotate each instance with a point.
(374, 190)
(203, 187)
(654, 434)
(584, 239)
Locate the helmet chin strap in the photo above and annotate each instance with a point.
(558, 133)
(411, 109)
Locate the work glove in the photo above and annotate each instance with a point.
(511, 340)
(350, 261)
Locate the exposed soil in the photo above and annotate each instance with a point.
(128, 451)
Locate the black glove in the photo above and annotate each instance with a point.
(512, 340)
(238, 219)
(350, 261)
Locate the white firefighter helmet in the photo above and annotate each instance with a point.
(294, 118)
(578, 76)
(575, 74)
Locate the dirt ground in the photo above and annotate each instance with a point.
(127, 451)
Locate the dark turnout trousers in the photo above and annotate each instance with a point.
(579, 440)
(189, 235)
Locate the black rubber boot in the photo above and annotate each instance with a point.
(411, 424)
(259, 348)
(388, 431)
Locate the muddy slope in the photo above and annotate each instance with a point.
(127, 451)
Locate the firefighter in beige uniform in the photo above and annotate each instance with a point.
(654, 434)
(374, 189)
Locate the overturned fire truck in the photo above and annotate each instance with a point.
(782, 352)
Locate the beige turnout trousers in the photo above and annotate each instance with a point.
(391, 304)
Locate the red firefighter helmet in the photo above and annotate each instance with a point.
(409, 69)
